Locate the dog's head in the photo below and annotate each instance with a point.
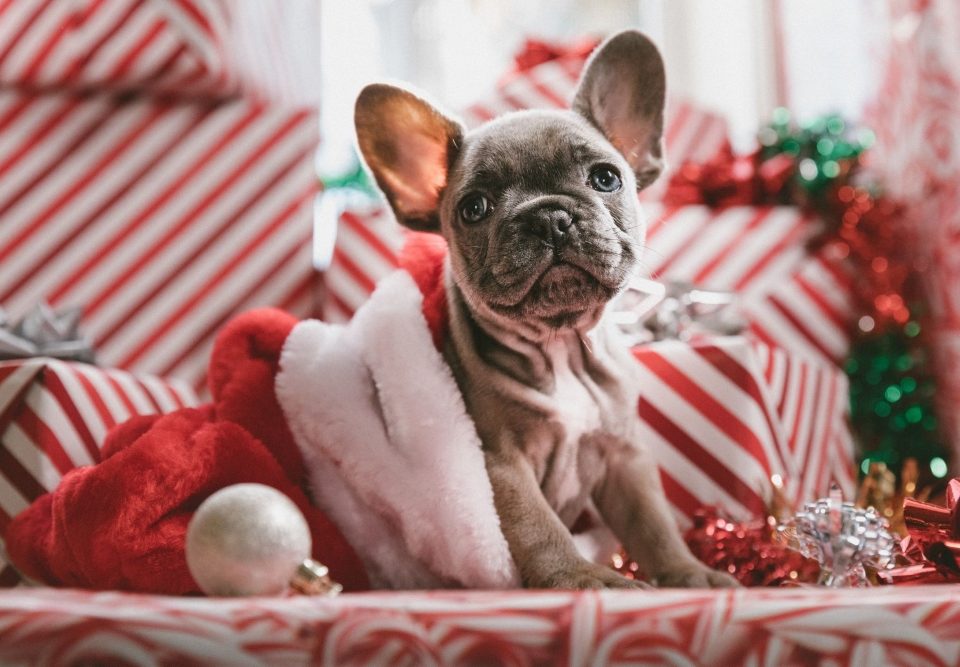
(539, 208)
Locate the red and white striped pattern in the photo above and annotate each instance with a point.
(792, 299)
(724, 415)
(188, 47)
(910, 625)
(54, 416)
(368, 242)
(161, 219)
(692, 134)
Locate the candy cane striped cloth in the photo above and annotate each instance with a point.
(792, 299)
(160, 219)
(187, 47)
(54, 416)
(725, 415)
(368, 240)
(888, 625)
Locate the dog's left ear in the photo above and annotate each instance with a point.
(409, 146)
(622, 94)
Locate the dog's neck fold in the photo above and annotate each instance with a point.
(527, 352)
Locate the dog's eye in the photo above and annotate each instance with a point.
(474, 208)
(605, 179)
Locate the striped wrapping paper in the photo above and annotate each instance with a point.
(161, 219)
(725, 414)
(188, 47)
(792, 299)
(367, 244)
(54, 416)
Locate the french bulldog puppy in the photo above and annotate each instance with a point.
(540, 212)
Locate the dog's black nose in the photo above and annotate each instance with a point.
(550, 224)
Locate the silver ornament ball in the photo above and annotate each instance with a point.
(246, 539)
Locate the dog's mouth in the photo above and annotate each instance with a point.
(560, 295)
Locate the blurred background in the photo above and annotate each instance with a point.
(740, 58)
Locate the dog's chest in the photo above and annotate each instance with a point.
(574, 465)
(574, 394)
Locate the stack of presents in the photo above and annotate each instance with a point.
(157, 162)
(158, 171)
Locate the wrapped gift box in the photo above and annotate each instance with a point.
(213, 48)
(368, 241)
(160, 218)
(723, 415)
(890, 626)
(793, 299)
(54, 416)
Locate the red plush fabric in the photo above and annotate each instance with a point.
(122, 523)
(422, 256)
(243, 365)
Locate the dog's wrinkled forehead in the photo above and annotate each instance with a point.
(532, 149)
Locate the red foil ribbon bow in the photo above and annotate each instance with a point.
(731, 180)
(933, 542)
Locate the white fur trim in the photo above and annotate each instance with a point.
(394, 458)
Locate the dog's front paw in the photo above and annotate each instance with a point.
(695, 575)
(584, 576)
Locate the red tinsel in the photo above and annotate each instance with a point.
(731, 180)
(748, 551)
(872, 233)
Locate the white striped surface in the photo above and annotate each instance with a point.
(54, 416)
(791, 299)
(162, 220)
(891, 625)
(214, 48)
(368, 241)
(765, 412)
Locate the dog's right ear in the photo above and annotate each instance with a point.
(622, 94)
(408, 145)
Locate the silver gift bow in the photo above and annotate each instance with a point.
(843, 539)
(650, 310)
(43, 332)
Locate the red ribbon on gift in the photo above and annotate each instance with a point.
(731, 180)
(933, 543)
(537, 51)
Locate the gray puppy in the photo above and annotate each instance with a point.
(539, 209)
